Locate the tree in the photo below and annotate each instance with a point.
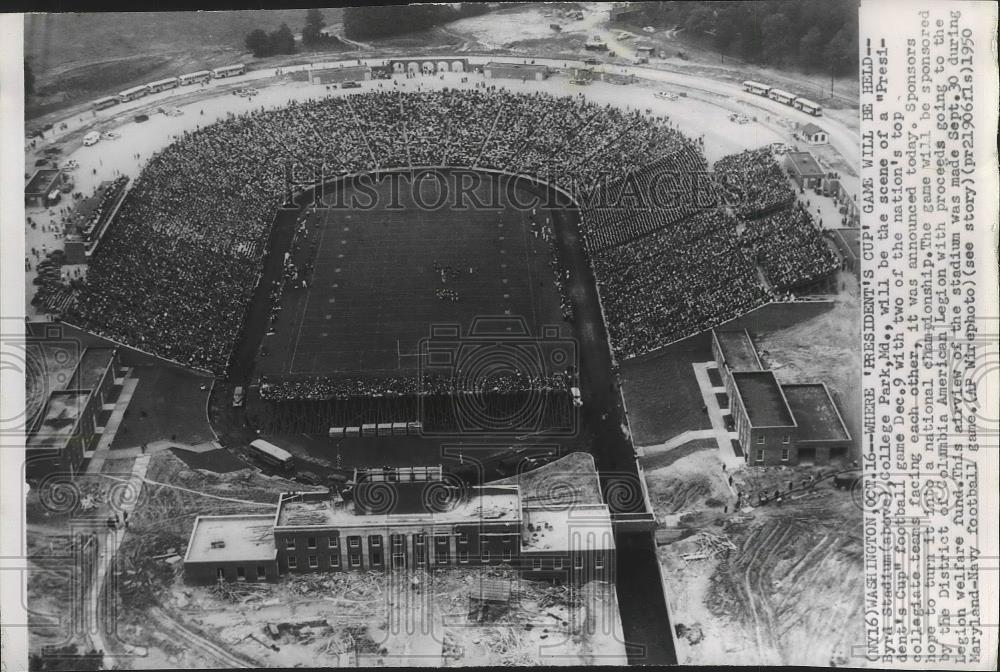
(258, 43)
(811, 49)
(312, 32)
(700, 20)
(385, 20)
(282, 40)
(774, 33)
(841, 53)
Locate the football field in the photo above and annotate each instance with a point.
(383, 276)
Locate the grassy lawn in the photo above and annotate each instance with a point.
(168, 404)
(662, 393)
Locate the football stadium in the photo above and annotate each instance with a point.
(466, 271)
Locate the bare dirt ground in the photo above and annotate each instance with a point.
(370, 619)
(769, 585)
(821, 349)
(374, 619)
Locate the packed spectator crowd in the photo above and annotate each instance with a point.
(91, 215)
(753, 183)
(790, 249)
(177, 271)
(675, 282)
(318, 388)
(673, 279)
(178, 268)
(655, 196)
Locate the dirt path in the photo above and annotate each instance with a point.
(211, 653)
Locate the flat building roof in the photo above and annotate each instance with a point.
(805, 164)
(485, 504)
(90, 370)
(58, 420)
(526, 67)
(815, 412)
(246, 538)
(762, 397)
(42, 181)
(50, 369)
(738, 350)
(574, 528)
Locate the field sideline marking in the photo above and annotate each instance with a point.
(305, 307)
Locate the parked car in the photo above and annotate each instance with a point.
(350, 85)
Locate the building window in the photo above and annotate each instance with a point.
(506, 555)
(463, 537)
(333, 542)
(557, 563)
(313, 561)
(463, 556)
(485, 557)
(441, 557)
(421, 555)
(760, 439)
(599, 562)
(784, 454)
(311, 542)
(293, 562)
(786, 439)
(290, 544)
(578, 561)
(397, 541)
(418, 539)
(376, 540)
(261, 573)
(355, 559)
(354, 542)
(536, 564)
(335, 561)
(760, 455)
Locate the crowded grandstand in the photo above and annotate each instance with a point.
(177, 270)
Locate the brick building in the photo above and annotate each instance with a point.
(43, 188)
(804, 169)
(526, 71)
(848, 242)
(69, 390)
(351, 73)
(406, 518)
(792, 424)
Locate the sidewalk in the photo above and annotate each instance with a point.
(95, 609)
(723, 437)
(100, 453)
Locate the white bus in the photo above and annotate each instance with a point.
(104, 103)
(162, 85)
(133, 93)
(271, 455)
(808, 106)
(195, 77)
(781, 96)
(751, 86)
(229, 71)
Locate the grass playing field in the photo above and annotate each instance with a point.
(381, 277)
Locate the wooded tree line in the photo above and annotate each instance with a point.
(282, 41)
(362, 23)
(815, 35)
